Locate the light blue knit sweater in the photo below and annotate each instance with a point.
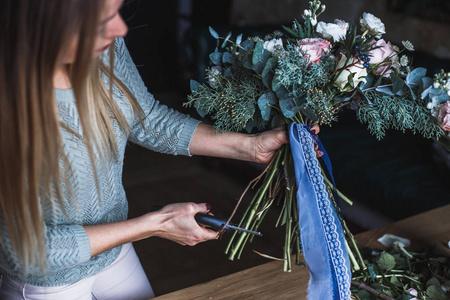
(69, 253)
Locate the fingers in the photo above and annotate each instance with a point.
(204, 208)
(315, 128)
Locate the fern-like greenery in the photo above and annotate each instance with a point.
(393, 112)
(231, 105)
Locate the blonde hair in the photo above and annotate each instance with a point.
(34, 34)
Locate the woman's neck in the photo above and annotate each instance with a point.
(61, 79)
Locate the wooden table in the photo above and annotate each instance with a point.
(268, 281)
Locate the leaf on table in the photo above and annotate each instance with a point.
(385, 261)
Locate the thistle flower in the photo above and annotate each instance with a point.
(408, 45)
(404, 61)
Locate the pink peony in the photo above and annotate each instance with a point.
(444, 116)
(313, 48)
(381, 57)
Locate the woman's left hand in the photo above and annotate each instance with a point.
(260, 147)
(267, 143)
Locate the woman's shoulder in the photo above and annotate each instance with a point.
(121, 54)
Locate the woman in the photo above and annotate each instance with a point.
(70, 100)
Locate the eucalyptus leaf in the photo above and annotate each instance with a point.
(213, 33)
(414, 78)
(386, 90)
(260, 57)
(400, 261)
(265, 102)
(283, 93)
(276, 83)
(385, 261)
(239, 39)
(246, 45)
(426, 82)
(228, 58)
(397, 83)
(216, 58)
(436, 293)
(289, 108)
(395, 282)
(201, 112)
(433, 281)
(268, 73)
(195, 86)
(227, 38)
(309, 114)
(277, 121)
(369, 80)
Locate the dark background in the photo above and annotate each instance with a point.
(388, 180)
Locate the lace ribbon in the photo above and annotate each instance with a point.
(321, 233)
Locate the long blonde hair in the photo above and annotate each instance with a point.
(34, 34)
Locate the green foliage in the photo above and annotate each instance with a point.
(383, 111)
(396, 270)
(232, 104)
(306, 84)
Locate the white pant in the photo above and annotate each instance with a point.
(123, 279)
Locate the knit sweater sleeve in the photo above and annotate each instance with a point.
(165, 130)
(67, 245)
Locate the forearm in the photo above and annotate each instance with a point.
(174, 222)
(259, 147)
(207, 142)
(103, 237)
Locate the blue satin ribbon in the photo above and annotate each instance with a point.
(327, 162)
(321, 233)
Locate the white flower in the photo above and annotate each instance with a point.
(213, 76)
(306, 13)
(356, 68)
(313, 20)
(335, 31)
(372, 24)
(447, 85)
(436, 85)
(273, 45)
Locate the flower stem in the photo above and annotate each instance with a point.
(262, 191)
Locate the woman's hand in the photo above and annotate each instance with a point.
(267, 143)
(174, 222)
(177, 223)
(258, 148)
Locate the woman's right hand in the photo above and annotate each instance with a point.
(176, 222)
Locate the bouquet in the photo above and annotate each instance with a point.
(306, 75)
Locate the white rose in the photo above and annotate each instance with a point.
(372, 24)
(335, 31)
(357, 69)
(273, 44)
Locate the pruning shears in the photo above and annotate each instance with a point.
(215, 223)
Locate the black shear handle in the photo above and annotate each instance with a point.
(203, 220)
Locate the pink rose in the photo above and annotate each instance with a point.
(444, 116)
(381, 57)
(313, 48)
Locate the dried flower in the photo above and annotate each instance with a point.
(408, 45)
